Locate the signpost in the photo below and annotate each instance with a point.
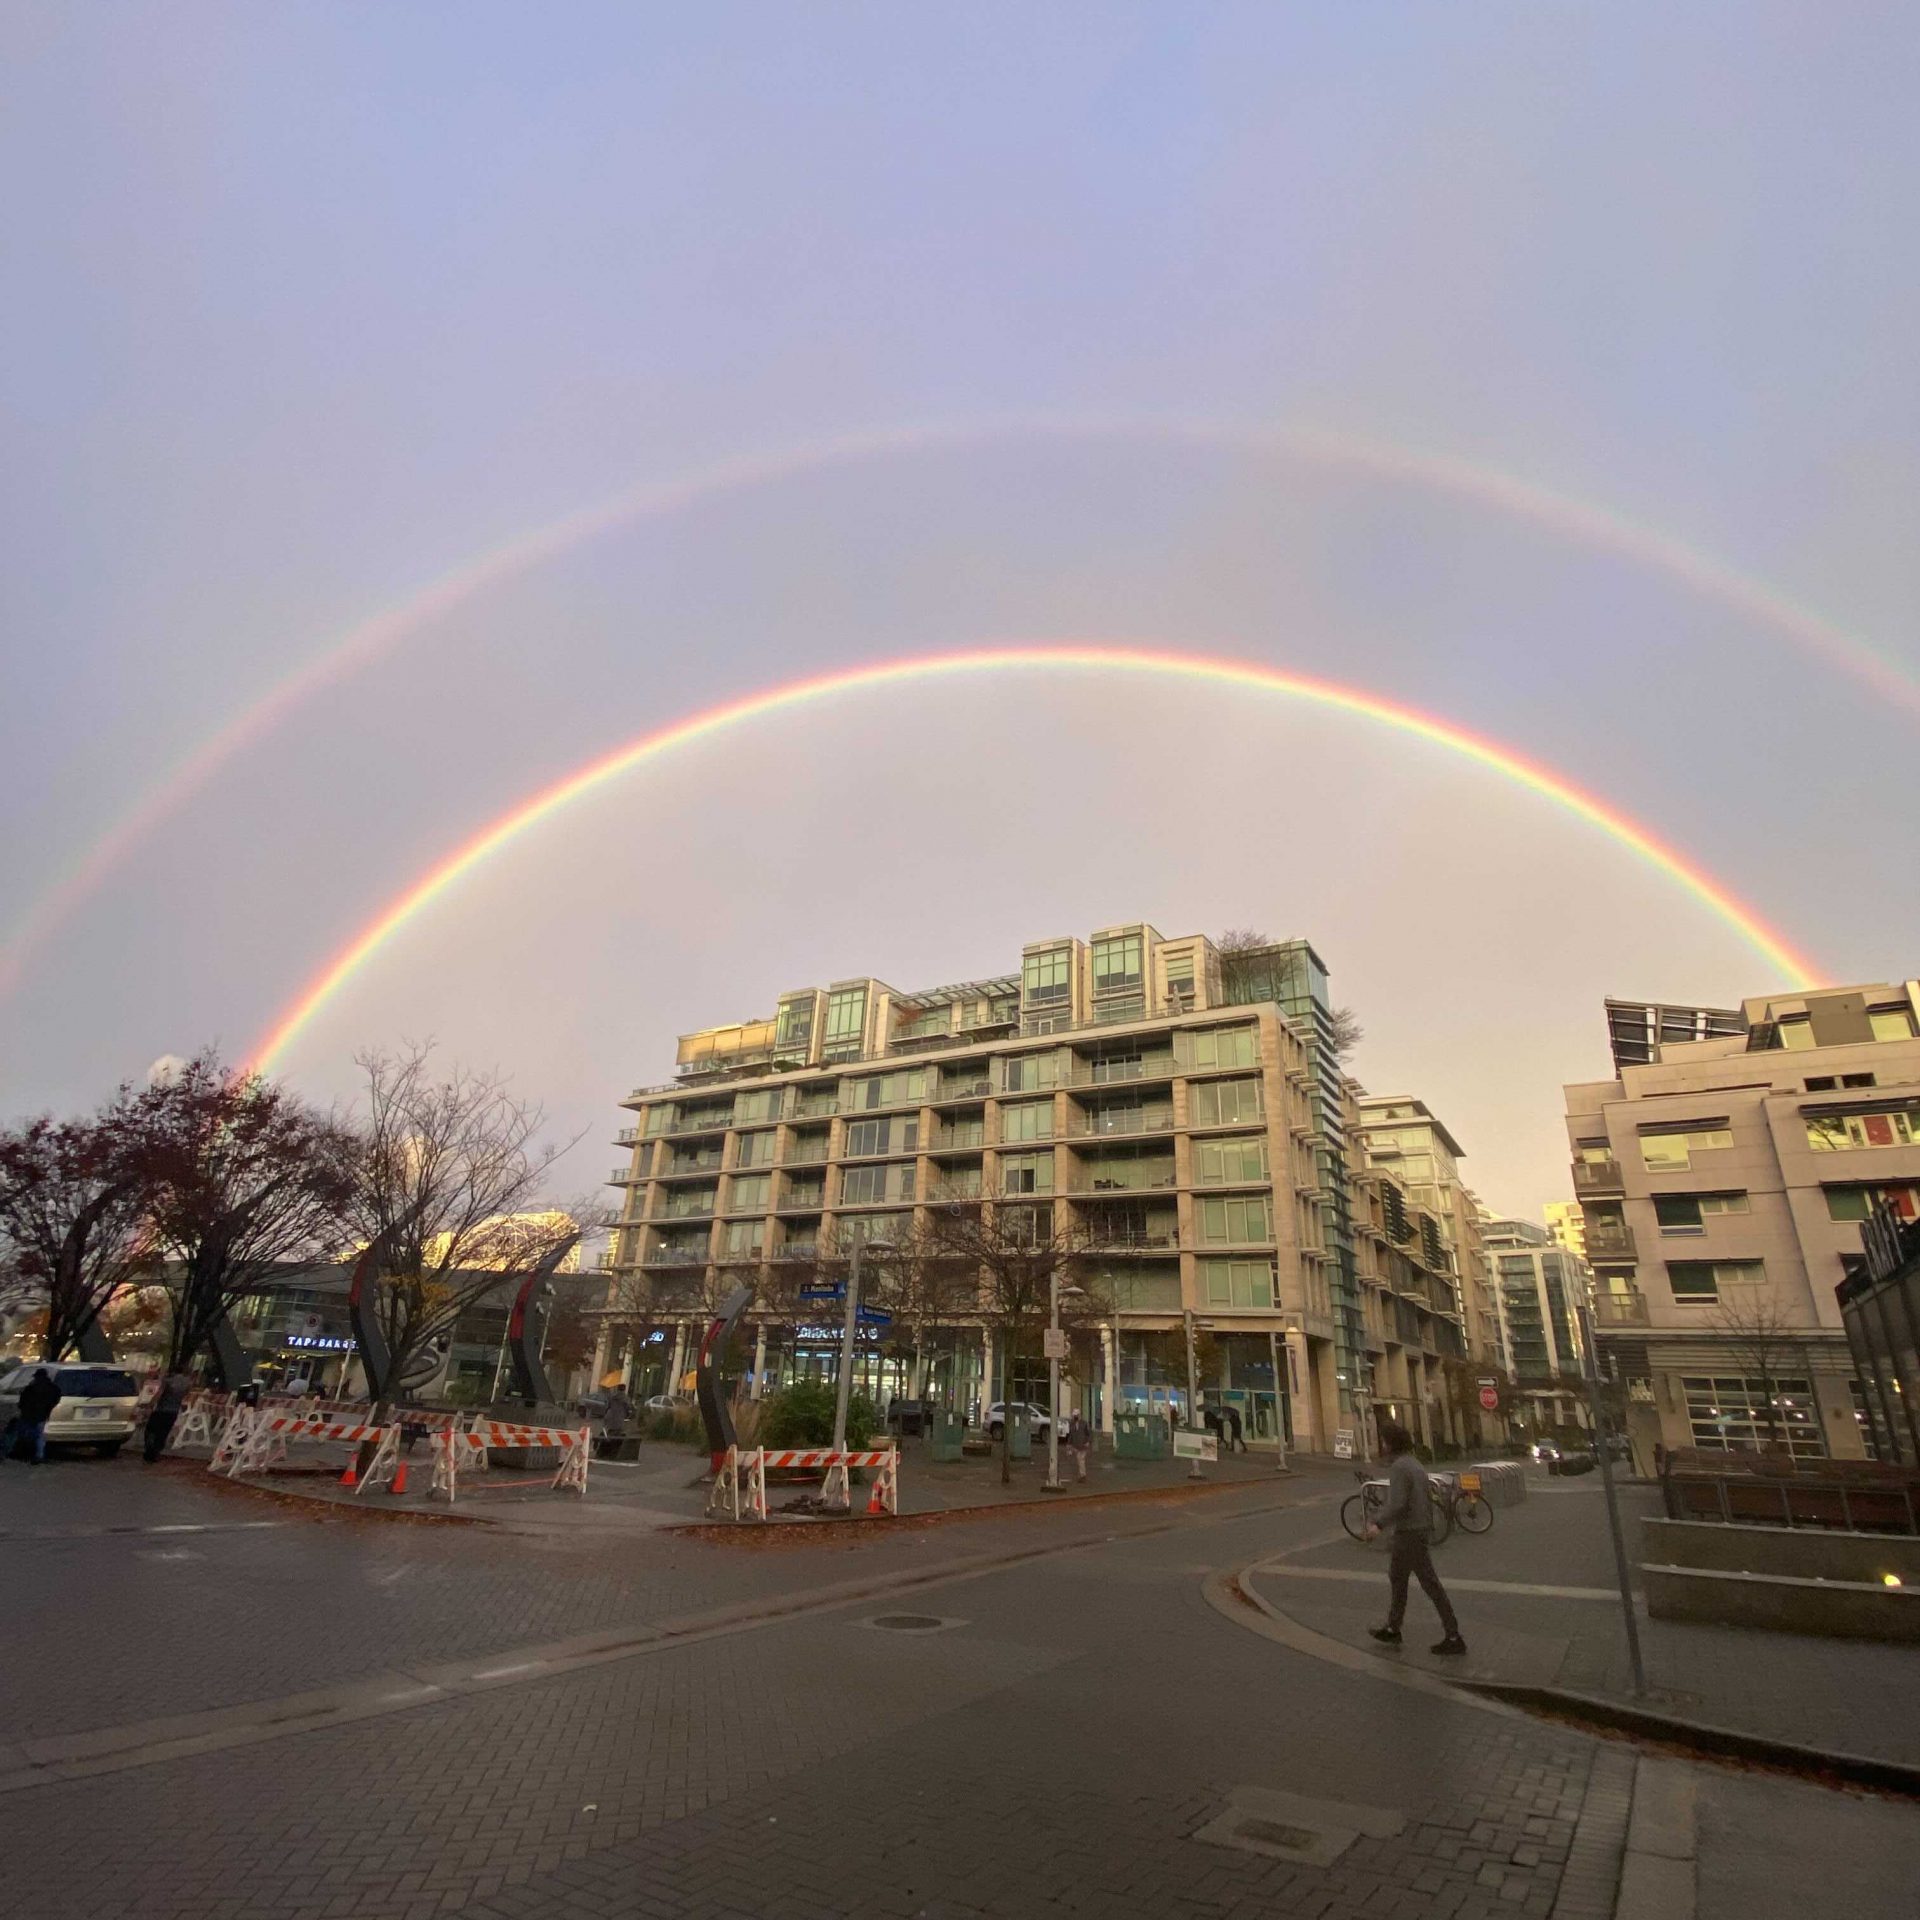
(1054, 1344)
(843, 1388)
(1604, 1439)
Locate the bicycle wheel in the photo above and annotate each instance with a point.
(1472, 1514)
(1442, 1514)
(1355, 1514)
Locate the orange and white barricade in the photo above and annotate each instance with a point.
(740, 1487)
(267, 1436)
(463, 1447)
(196, 1423)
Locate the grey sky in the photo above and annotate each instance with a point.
(307, 305)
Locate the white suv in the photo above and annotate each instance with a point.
(96, 1403)
(1038, 1419)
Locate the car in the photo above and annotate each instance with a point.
(670, 1402)
(97, 1404)
(1546, 1452)
(1038, 1419)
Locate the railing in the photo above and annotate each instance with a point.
(686, 1213)
(1597, 1176)
(966, 1140)
(959, 1090)
(627, 1137)
(1105, 1183)
(810, 1202)
(797, 1250)
(1624, 1308)
(690, 1169)
(1610, 1242)
(807, 1159)
(956, 1190)
(624, 1177)
(676, 1257)
(1114, 1073)
(814, 1110)
(1132, 1239)
(1106, 1126)
(716, 1123)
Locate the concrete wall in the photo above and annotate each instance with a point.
(1797, 1552)
(1837, 1610)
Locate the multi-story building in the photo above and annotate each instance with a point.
(1538, 1286)
(1402, 1133)
(1724, 1182)
(1566, 1226)
(1638, 1029)
(1175, 1109)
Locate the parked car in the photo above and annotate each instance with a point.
(670, 1402)
(96, 1404)
(1038, 1419)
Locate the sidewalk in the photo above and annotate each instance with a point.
(1539, 1607)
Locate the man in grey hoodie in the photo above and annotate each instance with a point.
(1409, 1520)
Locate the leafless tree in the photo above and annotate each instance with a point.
(928, 1287)
(449, 1190)
(1345, 1031)
(1017, 1252)
(72, 1218)
(1764, 1341)
(1239, 940)
(239, 1177)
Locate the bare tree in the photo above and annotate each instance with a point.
(448, 1192)
(1763, 1341)
(927, 1285)
(72, 1213)
(1016, 1253)
(1344, 1031)
(1238, 940)
(239, 1177)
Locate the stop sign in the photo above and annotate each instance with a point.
(1490, 1399)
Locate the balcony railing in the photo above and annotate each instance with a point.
(1597, 1176)
(810, 1201)
(1091, 1182)
(956, 1190)
(951, 1090)
(1133, 1239)
(676, 1257)
(624, 1177)
(959, 1140)
(702, 1211)
(626, 1137)
(1623, 1307)
(1107, 1126)
(815, 1109)
(714, 1123)
(810, 1157)
(690, 1169)
(1610, 1241)
(1115, 1073)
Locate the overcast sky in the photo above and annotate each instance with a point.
(308, 306)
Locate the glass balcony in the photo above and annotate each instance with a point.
(1596, 1177)
(966, 1087)
(1113, 1073)
(1609, 1241)
(1110, 1123)
(1620, 1307)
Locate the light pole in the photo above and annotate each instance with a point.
(1280, 1397)
(843, 1391)
(1193, 1391)
(1051, 1484)
(1603, 1440)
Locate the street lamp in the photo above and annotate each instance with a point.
(1051, 1484)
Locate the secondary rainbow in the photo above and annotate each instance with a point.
(1048, 657)
(1560, 514)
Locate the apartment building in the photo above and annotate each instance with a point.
(1566, 1226)
(1176, 1109)
(1538, 1285)
(1638, 1029)
(1404, 1134)
(1724, 1183)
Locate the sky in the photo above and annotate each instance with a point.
(1332, 339)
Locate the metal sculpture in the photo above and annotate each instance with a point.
(523, 1342)
(714, 1410)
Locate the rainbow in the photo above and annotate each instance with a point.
(542, 806)
(1557, 513)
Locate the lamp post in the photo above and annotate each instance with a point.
(1604, 1447)
(1281, 1399)
(1052, 1483)
(1193, 1391)
(844, 1389)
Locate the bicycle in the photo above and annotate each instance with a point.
(1362, 1510)
(1467, 1507)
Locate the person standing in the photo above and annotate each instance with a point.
(38, 1398)
(1079, 1443)
(165, 1411)
(1236, 1430)
(614, 1423)
(1409, 1520)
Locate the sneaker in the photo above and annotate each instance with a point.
(1451, 1644)
(1387, 1636)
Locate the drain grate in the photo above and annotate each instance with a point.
(911, 1622)
(1289, 1839)
(1289, 1826)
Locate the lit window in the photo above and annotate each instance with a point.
(1891, 1023)
(1849, 1132)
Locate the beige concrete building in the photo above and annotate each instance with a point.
(1177, 1109)
(1566, 1226)
(1539, 1286)
(1723, 1184)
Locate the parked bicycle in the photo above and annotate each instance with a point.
(1452, 1504)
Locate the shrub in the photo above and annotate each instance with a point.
(802, 1416)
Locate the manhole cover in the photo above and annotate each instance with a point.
(1271, 1833)
(1291, 1826)
(910, 1622)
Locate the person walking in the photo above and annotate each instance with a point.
(1409, 1518)
(38, 1398)
(1236, 1430)
(165, 1411)
(613, 1428)
(1079, 1443)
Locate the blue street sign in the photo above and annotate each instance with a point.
(873, 1317)
(823, 1293)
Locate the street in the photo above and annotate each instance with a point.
(379, 1718)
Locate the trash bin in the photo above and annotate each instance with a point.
(1019, 1434)
(946, 1437)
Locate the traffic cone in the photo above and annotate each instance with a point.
(350, 1478)
(874, 1503)
(399, 1478)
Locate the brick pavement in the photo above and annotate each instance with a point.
(1056, 1753)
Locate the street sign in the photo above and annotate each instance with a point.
(1189, 1443)
(1343, 1443)
(1055, 1346)
(873, 1317)
(1490, 1399)
(824, 1293)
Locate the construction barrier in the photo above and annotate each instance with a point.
(740, 1486)
(455, 1448)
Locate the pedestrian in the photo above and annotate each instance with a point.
(38, 1398)
(614, 1429)
(164, 1412)
(1236, 1430)
(1409, 1520)
(1079, 1443)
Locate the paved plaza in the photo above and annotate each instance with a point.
(220, 1705)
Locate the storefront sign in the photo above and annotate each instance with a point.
(323, 1342)
(1343, 1443)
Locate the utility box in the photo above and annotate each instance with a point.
(1139, 1436)
(946, 1437)
(1019, 1434)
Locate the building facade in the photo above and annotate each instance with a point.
(1539, 1286)
(1724, 1183)
(1175, 1110)
(1566, 1226)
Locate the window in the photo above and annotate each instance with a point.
(887, 1090)
(1694, 1281)
(1796, 1035)
(1222, 1163)
(1750, 1414)
(1857, 1203)
(1890, 1023)
(1030, 1120)
(750, 1193)
(1030, 1072)
(1236, 1283)
(1673, 1152)
(754, 1149)
(743, 1239)
(1593, 1153)
(1226, 1047)
(1218, 1103)
(1235, 1222)
(807, 1147)
(763, 1104)
(1846, 1132)
(1116, 963)
(863, 1229)
(1046, 977)
(796, 1024)
(1026, 1172)
(846, 1016)
(1689, 1212)
(901, 1134)
(864, 1186)
(1856, 1080)
(1026, 1226)
(1822, 1083)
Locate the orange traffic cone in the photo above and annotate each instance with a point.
(874, 1503)
(399, 1478)
(350, 1478)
